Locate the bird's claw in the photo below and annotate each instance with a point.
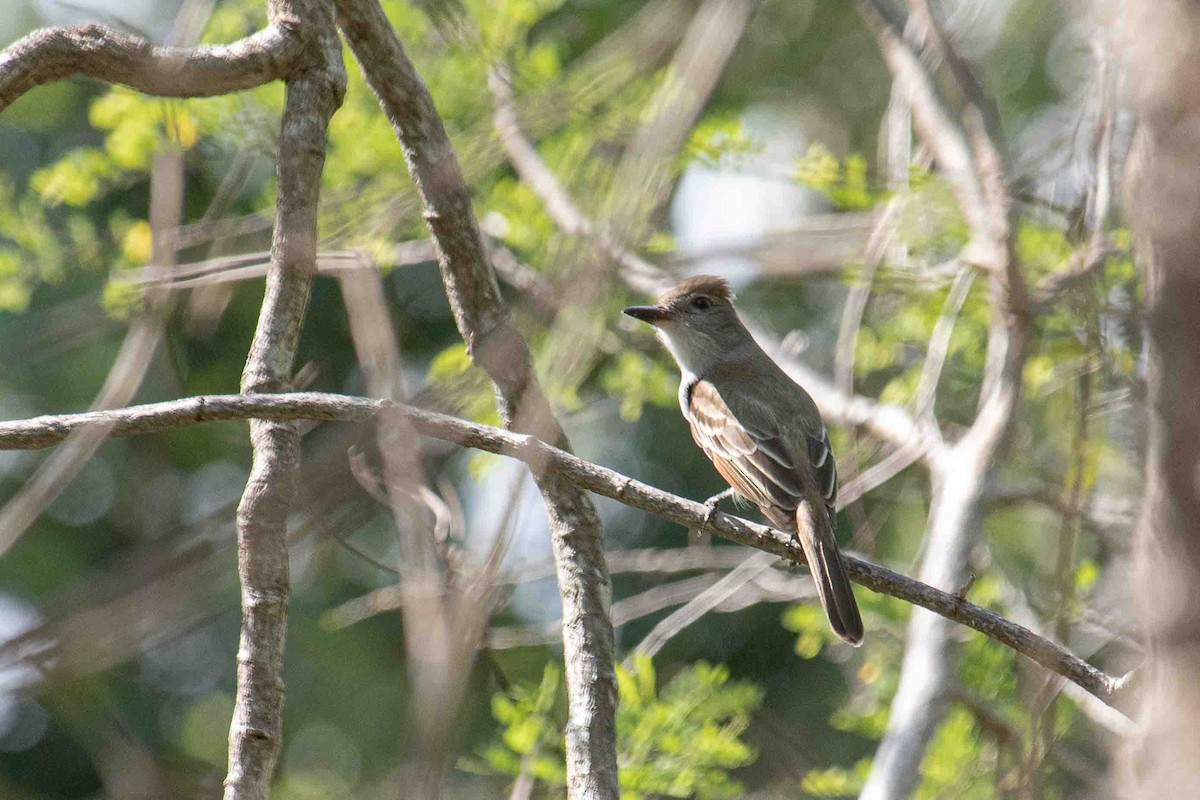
(710, 506)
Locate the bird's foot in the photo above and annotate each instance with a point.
(711, 504)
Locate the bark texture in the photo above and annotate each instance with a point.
(314, 91)
(95, 51)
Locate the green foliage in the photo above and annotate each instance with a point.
(638, 380)
(719, 140)
(808, 621)
(843, 182)
(39, 246)
(964, 759)
(681, 741)
(454, 377)
(836, 781)
(66, 224)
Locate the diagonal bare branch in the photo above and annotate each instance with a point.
(495, 345)
(42, 432)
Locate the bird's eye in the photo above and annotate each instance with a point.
(702, 303)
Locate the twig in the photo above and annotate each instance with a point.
(646, 277)
(704, 602)
(128, 369)
(925, 395)
(41, 432)
(647, 560)
(624, 611)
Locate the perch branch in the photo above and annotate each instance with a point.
(42, 432)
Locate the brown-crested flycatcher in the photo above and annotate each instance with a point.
(762, 431)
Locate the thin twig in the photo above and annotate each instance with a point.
(128, 369)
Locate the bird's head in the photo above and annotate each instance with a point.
(696, 321)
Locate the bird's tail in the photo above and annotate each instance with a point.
(815, 531)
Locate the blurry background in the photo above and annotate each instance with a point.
(119, 605)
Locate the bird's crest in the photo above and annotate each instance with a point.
(698, 284)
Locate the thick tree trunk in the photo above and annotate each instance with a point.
(1165, 207)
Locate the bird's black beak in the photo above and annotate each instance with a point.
(651, 314)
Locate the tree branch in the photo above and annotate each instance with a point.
(42, 432)
(934, 122)
(95, 51)
(495, 344)
(971, 159)
(314, 93)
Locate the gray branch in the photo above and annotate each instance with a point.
(971, 158)
(42, 432)
(313, 94)
(495, 345)
(95, 51)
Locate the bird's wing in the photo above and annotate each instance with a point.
(754, 459)
(824, 467)
(750, 453)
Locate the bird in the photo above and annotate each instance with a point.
(761, 430)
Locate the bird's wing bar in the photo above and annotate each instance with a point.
(755, 462)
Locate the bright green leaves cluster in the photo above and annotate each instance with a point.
(636, 380)
(39, 246)
(960, 762)
(680, 741)
(844, 181)
(464, 385)
(719, 140)
(76, 179)
(530, 738)
(836, 781)
(683, 741)
(135, 126)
